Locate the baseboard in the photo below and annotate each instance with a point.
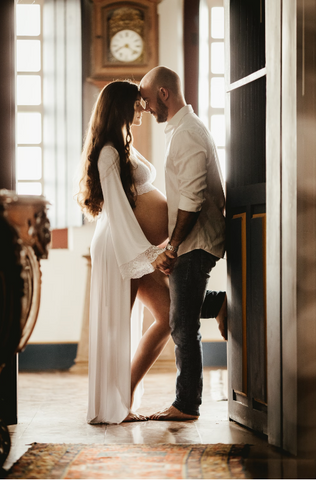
(51, 356)
(61, 356)
(214, 354)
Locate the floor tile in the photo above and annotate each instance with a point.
(52, 409)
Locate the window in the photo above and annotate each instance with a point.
(29, 98)
(211, 74)
(49, 104)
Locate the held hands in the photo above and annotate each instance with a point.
(165, 262)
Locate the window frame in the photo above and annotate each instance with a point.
(206, 111)
(31, 108)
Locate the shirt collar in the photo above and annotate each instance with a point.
(176, 119)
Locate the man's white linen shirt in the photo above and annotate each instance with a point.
(194, 182)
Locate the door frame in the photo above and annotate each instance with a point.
(281, 223)
(273, 205)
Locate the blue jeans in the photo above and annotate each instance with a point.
(188, 283)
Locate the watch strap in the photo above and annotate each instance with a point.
(171, 248)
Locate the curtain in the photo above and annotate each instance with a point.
(62, 101)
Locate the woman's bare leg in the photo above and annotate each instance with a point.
(134, 417)
(153, 291)
(134, 288)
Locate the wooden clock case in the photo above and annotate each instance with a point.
(107, 20)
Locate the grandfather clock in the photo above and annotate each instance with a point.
(125, 46)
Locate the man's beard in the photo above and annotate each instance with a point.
(161, 111)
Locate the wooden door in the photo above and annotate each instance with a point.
(246, 211)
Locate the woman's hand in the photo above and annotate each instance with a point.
(165, 262)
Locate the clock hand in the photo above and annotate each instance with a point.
(127, 47)
(120, 48)
(130, 48)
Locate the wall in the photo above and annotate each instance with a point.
(7, 95)
(64, 276)
(64, 272)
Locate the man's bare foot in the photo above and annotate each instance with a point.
(222, 319)
(135, 417)
(172, 413)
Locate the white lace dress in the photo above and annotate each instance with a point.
(119, 252)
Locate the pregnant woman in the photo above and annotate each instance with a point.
(116, 189)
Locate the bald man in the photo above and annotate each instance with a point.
(196, 205)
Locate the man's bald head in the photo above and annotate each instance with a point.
(163, 77)
(161, 89)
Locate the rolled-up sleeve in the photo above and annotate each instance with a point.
(189, 158)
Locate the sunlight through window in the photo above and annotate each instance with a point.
(222, 160)
(218, 92)
(218, 129)
(28, 55)
(28, 20)
(29, 163)
(29, 128)
(204, 64)
(217, 22)
(29, 169)
(212, 92)
(217, 57)
(29, 188)
(29, 90)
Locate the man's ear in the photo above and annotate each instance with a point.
(163, 93)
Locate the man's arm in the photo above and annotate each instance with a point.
(185, 222)
(189, 159)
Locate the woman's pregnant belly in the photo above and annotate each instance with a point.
(152, 215)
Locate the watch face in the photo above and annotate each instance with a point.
(126, 45)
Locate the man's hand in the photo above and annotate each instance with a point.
(165, 262)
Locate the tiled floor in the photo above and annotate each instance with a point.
(52, 408)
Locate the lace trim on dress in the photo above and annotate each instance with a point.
(141, 265)
(145, 188)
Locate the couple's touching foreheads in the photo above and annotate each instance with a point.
(149, 249)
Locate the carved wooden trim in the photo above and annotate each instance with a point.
(31, 275)
(25, 220)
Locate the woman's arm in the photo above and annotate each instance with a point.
(133, 252)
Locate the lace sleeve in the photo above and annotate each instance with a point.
(142, 264)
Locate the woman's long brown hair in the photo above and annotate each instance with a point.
(112, 115)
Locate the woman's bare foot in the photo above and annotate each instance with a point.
(222, 319)
(172, 413)
(135, 417)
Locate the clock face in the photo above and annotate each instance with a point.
(126, 45)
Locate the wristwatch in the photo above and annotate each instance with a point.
(172, 248)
